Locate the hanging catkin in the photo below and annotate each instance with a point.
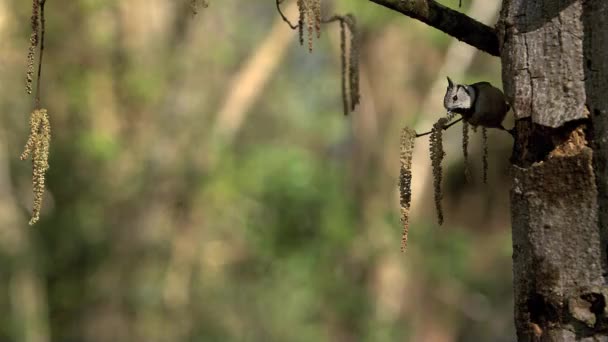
(408, 136)
(437, 154)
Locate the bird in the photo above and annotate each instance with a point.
(480, 104)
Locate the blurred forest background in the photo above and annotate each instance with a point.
(205, 186)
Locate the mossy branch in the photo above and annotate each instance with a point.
(454, 23)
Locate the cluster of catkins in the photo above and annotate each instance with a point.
(39, 139)
(37, 146)
(309, 16)
(309, 25)
(437, 154)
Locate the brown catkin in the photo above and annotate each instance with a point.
(37, 146)
(316, 8)
(344, 66)
(353, 63)
(408, 137)
(437, 154)
(301, 19)
(484, 136)
(349, 58)
(34, 38)
(309, 15)
(30, 145)
(35, 18)
(465, 151)
(310, 25)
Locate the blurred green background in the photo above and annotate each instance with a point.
(205, 186)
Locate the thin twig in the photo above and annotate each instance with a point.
(39, 76)
(332, 19)
(285, 19)
(295, 27)
(444, 128)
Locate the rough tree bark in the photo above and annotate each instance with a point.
(553, 53)
(555, 73)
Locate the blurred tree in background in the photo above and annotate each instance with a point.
(204, 185)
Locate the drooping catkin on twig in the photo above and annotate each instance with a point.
(484, 135)
(316, 10)
(309, 15)
(343, 67)
(349, 59)
(408, 136)
(437, 154)
(465, 151)
(301, 19)
(310, 24)
(34, 38)
(38, 147)
(353, 61)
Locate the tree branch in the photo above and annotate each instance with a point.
(444, 128)
(452, 22)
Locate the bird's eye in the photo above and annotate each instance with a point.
(455, 97)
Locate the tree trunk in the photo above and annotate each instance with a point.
(555, 73)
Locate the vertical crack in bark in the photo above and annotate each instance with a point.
(530, 79)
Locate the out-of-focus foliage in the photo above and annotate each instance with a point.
(205, 186)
